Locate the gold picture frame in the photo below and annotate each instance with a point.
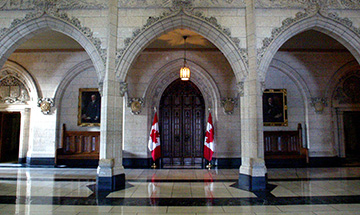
(89, 108)
(275, 110)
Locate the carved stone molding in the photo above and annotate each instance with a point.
(12, 89)
(183, 6)
(123, 88)
(229, 105)
(175, 3)
(313, 8)
(49, 7)
(45, 105)
(240, 88)
(331, 4)
(348, 88)
(136, 105)
(60, 4)
(318, 104)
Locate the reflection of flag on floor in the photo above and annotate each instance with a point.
(209, 140)
(154, 140)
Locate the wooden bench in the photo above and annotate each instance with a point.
(285, 145)
(78, 147)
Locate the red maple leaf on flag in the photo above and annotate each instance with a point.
(209, 136)
(154, 135)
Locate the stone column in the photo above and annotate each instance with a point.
(252, 174)
(24, 134)
(110, 172)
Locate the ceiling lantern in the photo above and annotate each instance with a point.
(185, 71)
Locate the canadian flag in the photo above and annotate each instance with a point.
(154, 140)
(209, 145)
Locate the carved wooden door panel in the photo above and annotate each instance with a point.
(182, 124)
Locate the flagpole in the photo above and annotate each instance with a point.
(153, 166)
(209, 165)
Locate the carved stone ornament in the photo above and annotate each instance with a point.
(12, 90)
(348, 89)
(318, 104)
(45, 105)
(172, 3)
(182, 6)
(123, 88)
(51, 8)
(333, 4)
(313, 7)
(229, 105)
(240, 87)
(135, 105)
(61, 4)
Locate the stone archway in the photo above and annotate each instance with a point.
(31, 25)
(183, 19)
(318, 22)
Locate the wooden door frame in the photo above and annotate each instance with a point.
(340, 128)
(203, 104)
(24, 137)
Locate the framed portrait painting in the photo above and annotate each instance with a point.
(275, 107)
(89, 107)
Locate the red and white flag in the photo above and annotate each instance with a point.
(154, 140)
(209, 145)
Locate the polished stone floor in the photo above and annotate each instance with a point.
(45, 191)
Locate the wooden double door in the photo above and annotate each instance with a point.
(181, 120)
(9, 136)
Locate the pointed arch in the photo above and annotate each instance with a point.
(29, 28)
(183, 20)
(345, 71)
(330, 27)
(70, 75)
(161, 80)
(25, 77)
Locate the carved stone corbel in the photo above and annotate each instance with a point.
(45, 105)
(123, 88)
(240, 88)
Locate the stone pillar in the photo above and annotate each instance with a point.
(110, 172)
(24, 134)
(252, 174)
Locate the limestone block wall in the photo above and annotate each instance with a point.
(133, 19)
(151, 63)
(306, 76)
(48, 70)
(70, 100)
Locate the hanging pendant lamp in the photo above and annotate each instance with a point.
(185, 71)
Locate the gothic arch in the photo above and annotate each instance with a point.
(30, 27)
(23, 76)
(70, 75)
(161, 80)
(344, 72)
(295, 77)
(318, 22)
(183, 20)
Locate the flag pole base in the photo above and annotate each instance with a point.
(153, 166)
(209, 166)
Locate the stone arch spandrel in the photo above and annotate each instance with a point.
(31, 25)
(331, 27)
(182, 19)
